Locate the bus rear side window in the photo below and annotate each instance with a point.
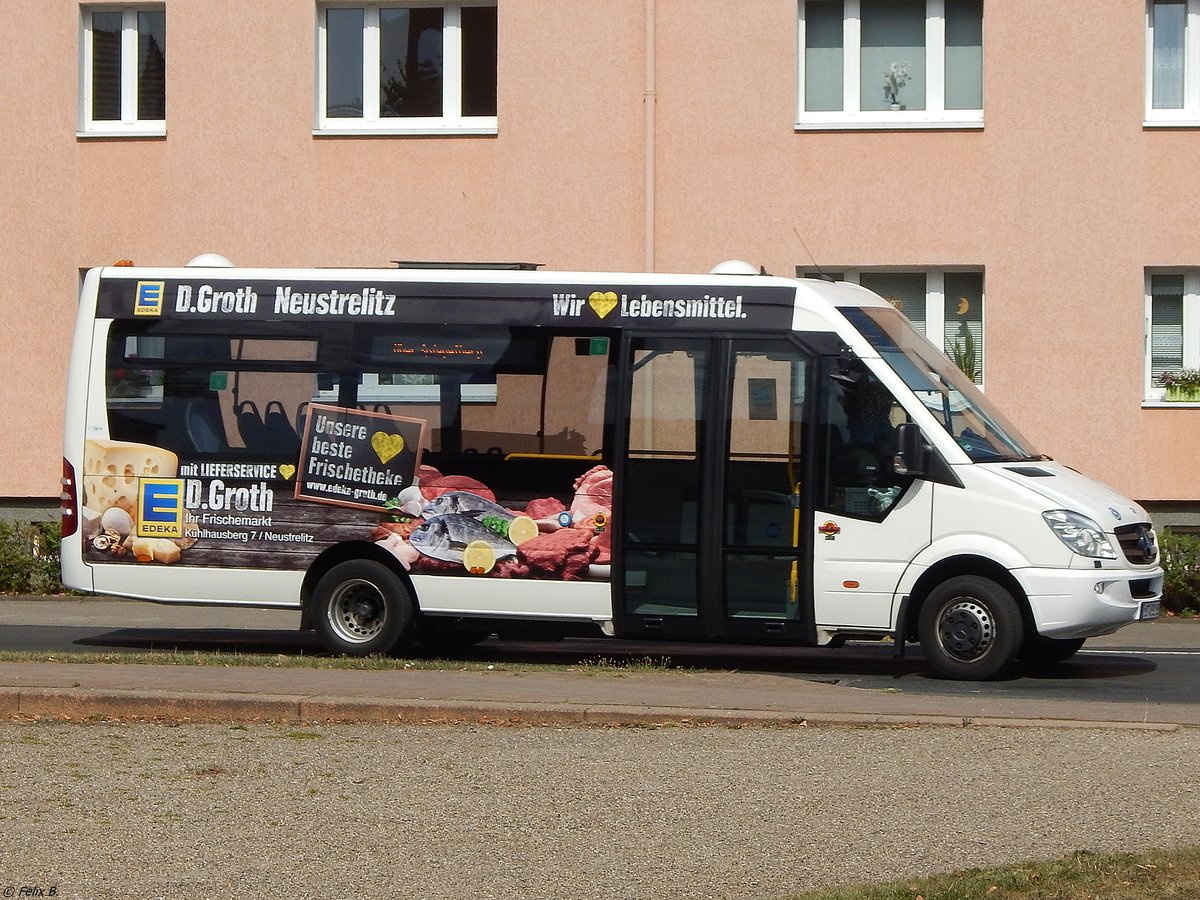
(210, 394)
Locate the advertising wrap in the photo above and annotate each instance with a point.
(358, 478)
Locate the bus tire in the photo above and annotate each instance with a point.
(970, 629)
(1044, 651)
(361, 607)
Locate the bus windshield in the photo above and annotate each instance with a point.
(963, 410)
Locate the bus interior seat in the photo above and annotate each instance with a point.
(280, 436)
(271, 432)
(204, 435)
(250, 425)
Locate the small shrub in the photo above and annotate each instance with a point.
(1180, 558)
(29, 558)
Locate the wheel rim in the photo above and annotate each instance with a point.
(966, 629)
(357, 611)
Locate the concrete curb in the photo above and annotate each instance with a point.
(177, 706)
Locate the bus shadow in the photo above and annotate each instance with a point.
(215, 640)
(831, 665)
(1084, 668)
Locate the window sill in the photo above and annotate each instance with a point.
(890, 123)
(409, 131)
(1171, 404)
(1182, 121)
(131, 133)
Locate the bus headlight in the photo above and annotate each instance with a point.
(1080, 534)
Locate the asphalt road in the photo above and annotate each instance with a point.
(1154, 661)
(113, 807)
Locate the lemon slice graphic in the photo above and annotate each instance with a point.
(521, 529)
(479, 558)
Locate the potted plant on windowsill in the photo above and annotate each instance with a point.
(1182, 386)
(964, 354)
(895, 78)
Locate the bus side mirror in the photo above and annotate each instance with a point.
(912, 453)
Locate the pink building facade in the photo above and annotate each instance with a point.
(1018, 176)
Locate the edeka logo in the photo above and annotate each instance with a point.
(149, 298)
(160, 508)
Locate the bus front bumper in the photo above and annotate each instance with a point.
(1073, 603)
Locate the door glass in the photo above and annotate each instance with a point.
(857, 443)
(763, 482)
(662, 478)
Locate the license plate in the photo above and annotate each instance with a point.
(1151, 610)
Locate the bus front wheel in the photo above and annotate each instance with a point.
(970, 629)
(361, 607)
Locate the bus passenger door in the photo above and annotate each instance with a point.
(765, 543)
(665, 490)
(711, 525)
(869, 521)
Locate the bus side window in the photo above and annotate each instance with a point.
(857, 443)
(520, 411)
(208, 394)
(557, 413)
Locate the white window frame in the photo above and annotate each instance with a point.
(1189, 115)
(1155, 394)
(935, 302)
(129, 124)
(850, 116)
(371, 123)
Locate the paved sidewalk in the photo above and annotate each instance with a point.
(198, 693)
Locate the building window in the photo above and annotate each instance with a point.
(890, 63)
(1172, 62)
(123, 72)
(415, 69)
(946, 307)
(1172, 328)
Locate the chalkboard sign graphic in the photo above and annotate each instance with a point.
(350, 457)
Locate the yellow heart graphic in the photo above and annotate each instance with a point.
(602, 303)
(386, 445)
(287, 471)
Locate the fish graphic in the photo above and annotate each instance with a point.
(465, 503)
(445, 537)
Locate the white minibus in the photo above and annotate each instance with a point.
(439, 454)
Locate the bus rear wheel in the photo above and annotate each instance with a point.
(970, 629)
(361, 607)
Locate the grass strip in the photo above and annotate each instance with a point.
(300, 660)
(1082, 875)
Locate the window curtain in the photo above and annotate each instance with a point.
(152, 65)
(106, 66)
(904, 290)
(1169, 25)
(1166, 325)
(964, 54)
(823, 55)
(893, 34)
(344, 63)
